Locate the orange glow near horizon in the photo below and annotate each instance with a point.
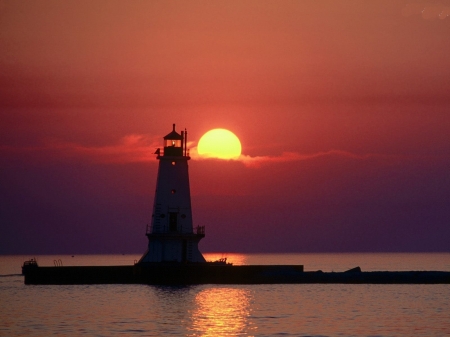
(219, 143)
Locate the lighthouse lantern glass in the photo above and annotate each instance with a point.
(173, 143)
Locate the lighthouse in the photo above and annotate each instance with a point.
(171, 234)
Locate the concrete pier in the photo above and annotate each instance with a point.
(210, 273)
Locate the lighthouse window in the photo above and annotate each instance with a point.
(173, 191)
(173, 163)
(162, 215)
(183, 216)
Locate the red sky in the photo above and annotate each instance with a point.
(342, 109)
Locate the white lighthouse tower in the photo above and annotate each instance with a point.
(171, 235)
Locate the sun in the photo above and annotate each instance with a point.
(219, 143)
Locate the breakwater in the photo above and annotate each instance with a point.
(211, 273)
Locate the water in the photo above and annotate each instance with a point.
(235, 310)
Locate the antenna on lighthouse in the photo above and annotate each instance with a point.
(182, 143)
(185, 142)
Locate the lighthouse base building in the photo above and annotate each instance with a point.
(171, 234)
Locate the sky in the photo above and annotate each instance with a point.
(342, 109)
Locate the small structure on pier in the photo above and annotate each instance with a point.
(171, 235)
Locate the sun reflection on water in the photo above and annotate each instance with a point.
(221, 312)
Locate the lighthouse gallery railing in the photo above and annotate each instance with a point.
(199, 230)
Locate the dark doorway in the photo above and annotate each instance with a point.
(173, 221)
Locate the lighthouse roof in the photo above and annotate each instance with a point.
(173, 135)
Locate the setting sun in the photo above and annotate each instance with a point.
(219, 143)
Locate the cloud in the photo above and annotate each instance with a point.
(140, 148)
(427, 10)
(294, 156)
(130, 149)
(257, 161)
(136, 148)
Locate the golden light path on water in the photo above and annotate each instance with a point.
(221, 312)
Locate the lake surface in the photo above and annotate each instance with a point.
(235, 310)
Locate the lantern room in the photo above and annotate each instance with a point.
(173, 143)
